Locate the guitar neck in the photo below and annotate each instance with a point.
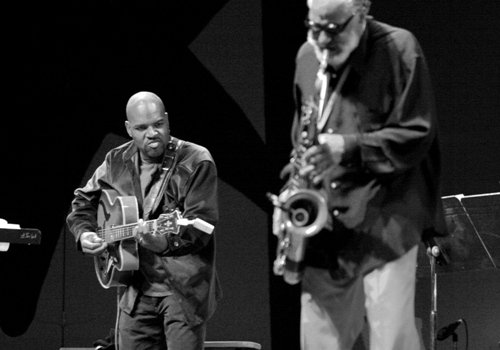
(119, 233)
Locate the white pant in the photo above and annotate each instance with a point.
(332, 317)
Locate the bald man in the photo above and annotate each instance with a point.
(174, 291)
(373, 154)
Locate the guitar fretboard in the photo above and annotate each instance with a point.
(119, 233)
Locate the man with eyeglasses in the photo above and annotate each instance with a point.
(376, 160)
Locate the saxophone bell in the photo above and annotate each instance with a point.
(305, 213)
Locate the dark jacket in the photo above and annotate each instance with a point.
(388, 182)
(187, 267)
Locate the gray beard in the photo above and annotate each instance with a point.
(338, 59)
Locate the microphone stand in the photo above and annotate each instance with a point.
(455, 340)
(433, 252)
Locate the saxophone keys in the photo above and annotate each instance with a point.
(279, 265)
(284, 243)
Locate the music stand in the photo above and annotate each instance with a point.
(473, 223)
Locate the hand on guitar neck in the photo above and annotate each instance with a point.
(150, 240)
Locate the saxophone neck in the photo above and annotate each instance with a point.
(322, 82)
(324, 61)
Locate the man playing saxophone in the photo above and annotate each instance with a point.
(376, 161)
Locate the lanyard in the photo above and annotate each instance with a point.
(323, 118)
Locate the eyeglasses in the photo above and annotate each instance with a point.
(331, 29)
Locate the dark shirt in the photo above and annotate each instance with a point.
(388, 189)
(187, 267)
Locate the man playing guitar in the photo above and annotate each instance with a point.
(172, 288)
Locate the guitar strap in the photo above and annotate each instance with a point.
(155, 194)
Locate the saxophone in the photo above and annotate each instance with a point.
(300, 209)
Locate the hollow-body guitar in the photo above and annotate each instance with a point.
(117, 217)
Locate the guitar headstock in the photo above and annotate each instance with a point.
(167, 223)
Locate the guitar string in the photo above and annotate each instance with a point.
(123, 232)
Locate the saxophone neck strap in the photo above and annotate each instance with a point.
(323, 118)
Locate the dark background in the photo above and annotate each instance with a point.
(224, 70)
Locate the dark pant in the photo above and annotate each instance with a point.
(158, 324)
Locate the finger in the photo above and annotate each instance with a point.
(306, 170)
(323, 138)
(139, 230)
(311, 152)
(94, 248)
(138, 236)
(96, 239)
(90, 237)
(312, 159)
(286, 171)
(91, 242)
(318, 178)
(142, 226)
(322, 173)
